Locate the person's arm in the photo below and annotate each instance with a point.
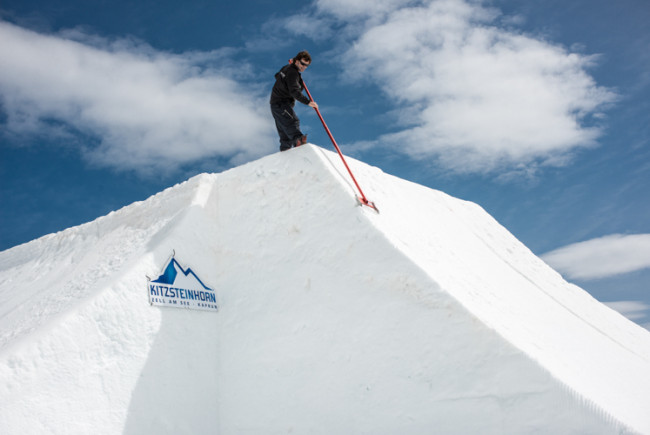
(295, 87)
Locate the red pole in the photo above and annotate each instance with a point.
(363, 198)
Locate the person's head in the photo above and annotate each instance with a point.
(302, 60)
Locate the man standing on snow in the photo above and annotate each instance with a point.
(287, 89)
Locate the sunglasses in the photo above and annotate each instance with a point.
(303, 63)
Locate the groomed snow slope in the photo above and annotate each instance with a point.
(427, 318)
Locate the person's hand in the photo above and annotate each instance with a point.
(313, 104)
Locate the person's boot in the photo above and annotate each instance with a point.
(301, 140)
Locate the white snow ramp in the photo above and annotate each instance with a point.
(332, 319)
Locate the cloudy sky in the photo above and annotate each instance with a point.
(537, 111)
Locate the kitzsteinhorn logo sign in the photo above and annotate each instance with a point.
(182, 288)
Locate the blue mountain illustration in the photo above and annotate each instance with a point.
(171, 272)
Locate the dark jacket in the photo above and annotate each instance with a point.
(288, 86)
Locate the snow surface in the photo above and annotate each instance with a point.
(429, 317)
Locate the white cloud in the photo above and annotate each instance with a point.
(147, 109)
(353, 9)
(633, 310)
(602, 257)
(476, 96)
(307, 25)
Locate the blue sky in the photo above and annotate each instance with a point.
(539, 111)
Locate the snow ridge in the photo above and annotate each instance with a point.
(333, 318)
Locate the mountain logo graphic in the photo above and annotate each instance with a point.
(180, 288)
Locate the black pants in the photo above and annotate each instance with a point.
(287, 123)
